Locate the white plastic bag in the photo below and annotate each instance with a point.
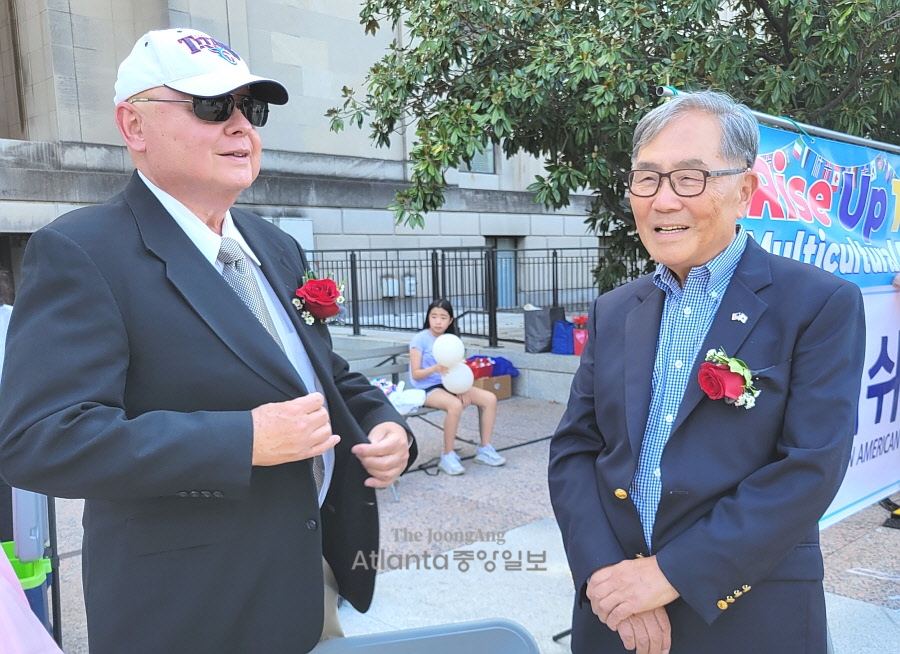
(407, 401)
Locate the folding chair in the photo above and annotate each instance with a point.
(496, 636)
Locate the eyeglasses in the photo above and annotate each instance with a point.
(686, 182)
(220, 108)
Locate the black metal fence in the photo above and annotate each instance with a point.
(391, 288)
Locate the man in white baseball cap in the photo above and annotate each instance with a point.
(185, 396)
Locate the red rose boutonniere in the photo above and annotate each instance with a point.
(318, 299)
(724, 377)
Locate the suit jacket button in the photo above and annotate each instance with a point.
(182, 493)
(722, 604)
(206, 493)
(621, 494)
(311, 525)
(195, 493)
(218, 494)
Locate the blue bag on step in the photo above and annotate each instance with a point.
(563, 342)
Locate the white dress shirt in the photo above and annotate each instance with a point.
(5, 313)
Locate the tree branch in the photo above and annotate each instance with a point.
(779, 26)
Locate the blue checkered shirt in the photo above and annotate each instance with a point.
(687, 314)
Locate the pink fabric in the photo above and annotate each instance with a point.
(20, 630)
(9, 576)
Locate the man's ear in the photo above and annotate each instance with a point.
(749, 184)
(131, 126)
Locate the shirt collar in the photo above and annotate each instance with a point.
(718, 269)
(206, 240)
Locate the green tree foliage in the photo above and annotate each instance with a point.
(567, 80)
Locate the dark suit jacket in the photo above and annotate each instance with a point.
(743, 489)
(131, 374)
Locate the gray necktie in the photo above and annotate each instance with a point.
(318, 472)
(238, 274)
(318, 462)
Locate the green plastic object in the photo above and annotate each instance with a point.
(31, 574)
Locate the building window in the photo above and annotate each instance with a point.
(482, 162)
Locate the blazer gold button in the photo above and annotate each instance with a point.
(737, 593)
(621, 494)
(722, 604)
(745, 588)
(729, 599)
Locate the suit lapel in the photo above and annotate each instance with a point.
(751, 274)
(208, 293)
(276, 266)
(641, 335)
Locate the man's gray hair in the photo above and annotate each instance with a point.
(740, 132)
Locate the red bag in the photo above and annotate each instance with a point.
(579, 338)
(481, 366)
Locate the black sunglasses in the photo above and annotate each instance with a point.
(220, 108)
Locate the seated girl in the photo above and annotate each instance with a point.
(425, 373)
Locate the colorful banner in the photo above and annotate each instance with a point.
(837, 206)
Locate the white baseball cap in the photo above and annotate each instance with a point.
(192, 62)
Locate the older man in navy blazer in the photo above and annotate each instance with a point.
(690, 517)
(191, 417)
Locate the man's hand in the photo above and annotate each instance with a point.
(648, 632)
(627, 588)
(290, 431)
(385, 455)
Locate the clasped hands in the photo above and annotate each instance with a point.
(300, 429)
(630, 597)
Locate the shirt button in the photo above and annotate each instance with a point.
(678, 364)
(687, 311)
(669, 418)
(656, 473)
(713, 294)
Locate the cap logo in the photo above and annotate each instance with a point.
(200, 43)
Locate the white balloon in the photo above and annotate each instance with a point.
(459, 379)
(448, 350)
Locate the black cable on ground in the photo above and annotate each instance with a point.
(432, 463)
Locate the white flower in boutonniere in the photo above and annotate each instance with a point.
(728, 378)
(318, 299)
